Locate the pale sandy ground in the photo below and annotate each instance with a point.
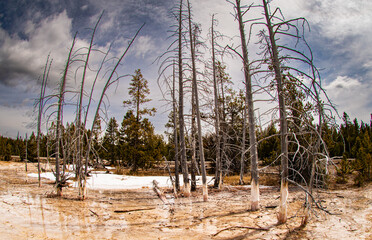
(30, 212)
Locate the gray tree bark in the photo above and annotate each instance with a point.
(197, 108)
(255, 194)
(40, 113)
(282, 216)
(218, 173)
(186, 183)
(175, 135)
(59, 118)
(79, 127)
(242, 157)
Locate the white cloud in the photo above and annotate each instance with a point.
(351, 96)
(144, 46)
(337, 19)
(22, 62)
(85, 7)
(22, 59)
(15, 122)
(343, 83)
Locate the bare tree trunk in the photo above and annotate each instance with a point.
(79, 167)
(195, 88)
(26, 154)
(282, 216)
(176, 150)
(218, 172)
(313, 153)
(171, 178)
(109, 82)
(242, 157)
(185, 173)
(40, 113)
(59, 118)
(193, 141)
(255, 193)
(223, 132)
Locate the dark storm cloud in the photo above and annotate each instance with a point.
(15, 13)
(22, 58)
(25, 39)
(21, 20)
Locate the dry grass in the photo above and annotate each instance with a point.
(141, 172)
(265, 179)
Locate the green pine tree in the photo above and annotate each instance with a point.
(110, 142)
(140, 147)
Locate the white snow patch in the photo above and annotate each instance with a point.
(104, 181)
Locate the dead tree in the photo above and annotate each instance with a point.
(59, 183)
(197, 109)
(79, 130)
(243, 152)
(249, 105)
(193, 140)
(113, 78)
(282, 216)
(218, 174)
(297, 129)
(174, 56)
(175, 129)
(181, 106)
(222, 80)
(40, 104)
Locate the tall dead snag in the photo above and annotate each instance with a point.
(304, 156)
(255, 193)
(186, 183)
(243, 152)
(282, 216)
(197, 109)
(59, 184)
(175, 129)
(218, 174)
(113, 78)
(193, 140)
(79, 127)
(173, 57)
(223, 80)
(40, 105)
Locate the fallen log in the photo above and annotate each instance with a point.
(171, 178)
(133, 210)
(159, 192)
(94, 213)
(241, 227)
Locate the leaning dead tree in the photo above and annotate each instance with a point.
(197, 108)
(173, 58)
(299, 97)
(40, 105)
(60, 180)
(282, 216)
(112, 79)
(249, 104)
(79, 125)
(73, 142)
(218, 174)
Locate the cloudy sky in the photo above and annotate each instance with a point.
(340, 38)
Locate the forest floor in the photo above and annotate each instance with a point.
(30, 212)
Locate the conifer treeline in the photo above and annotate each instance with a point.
(351, 141)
